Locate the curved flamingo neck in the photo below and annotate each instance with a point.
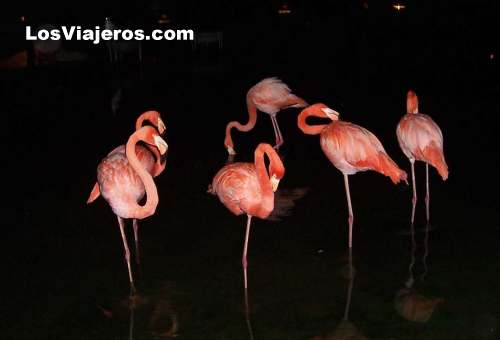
(309, 129)
(151, 193)
(260, 167)
(252, 119)
(148, 115)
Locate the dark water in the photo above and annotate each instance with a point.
(63, 267)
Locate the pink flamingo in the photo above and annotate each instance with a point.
(421, 139)
(350, 148)
(124, 176)
(154, 118)
(248, 188)
(270, 96)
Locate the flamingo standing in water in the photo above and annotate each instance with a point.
(248, 188)
(350, 148)
(270, 96)
(421, 139)
(124, 176)
(154, 118)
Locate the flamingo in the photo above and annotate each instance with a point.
(421, 139)
(248, 188)
(124, 176)
(351, 149)
(154, 118)
(270, 95)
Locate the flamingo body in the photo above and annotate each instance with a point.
(249, 188)
(119, 183)
(154, 118)
(124, 177)
(421, 139)
(352, 148)
(237, 187)
(270, 95)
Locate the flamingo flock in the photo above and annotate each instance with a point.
(126, 174)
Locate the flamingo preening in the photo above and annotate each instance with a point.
(270, 95)
(421, 139)
(351, 149)
(248, 188)
(125, 175)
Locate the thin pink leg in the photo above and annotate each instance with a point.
(349, 290)
(277, 132)
(247, 316)
(127, 254)
(351, 216)
(414, 199)
(427, 195)
(136, 238)
(245, 248)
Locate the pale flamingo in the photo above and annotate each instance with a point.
(351, 149)
(154, 118)
(421, 139)
(124, 176)
(248, 188)
(270, 95)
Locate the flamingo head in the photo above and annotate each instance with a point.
(150, 135)
(411, 102)
(322, 111)
(230, 150)
(276, 173)
(228, 143)
(329, 113)
(154, 118)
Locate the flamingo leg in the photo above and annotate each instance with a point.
(245, 248)
(349, 290)
(277, 132)
(127, 254)
(427, 195)
(247, 316)
(349, 205)
(414, 198)
(136, 238)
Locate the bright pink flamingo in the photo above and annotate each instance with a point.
(350, 148)
(248, 188)
(270, 96)
(124, 176)
(154, 118)
(421, 139)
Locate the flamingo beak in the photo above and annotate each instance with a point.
(332, 114)
(161, 126)
(274, 182)
(230, 150)
(161, 145)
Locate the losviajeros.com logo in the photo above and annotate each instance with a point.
(97, 35)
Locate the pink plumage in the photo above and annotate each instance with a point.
(421, 139)
(270, 95)
(350, 148)
(248, 188)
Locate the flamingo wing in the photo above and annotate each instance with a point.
(119, 184)
(421, 138)
(271, 95)
(237, 187)
(352, 148)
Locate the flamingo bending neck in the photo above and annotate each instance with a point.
(149, 207)
(252, 119)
